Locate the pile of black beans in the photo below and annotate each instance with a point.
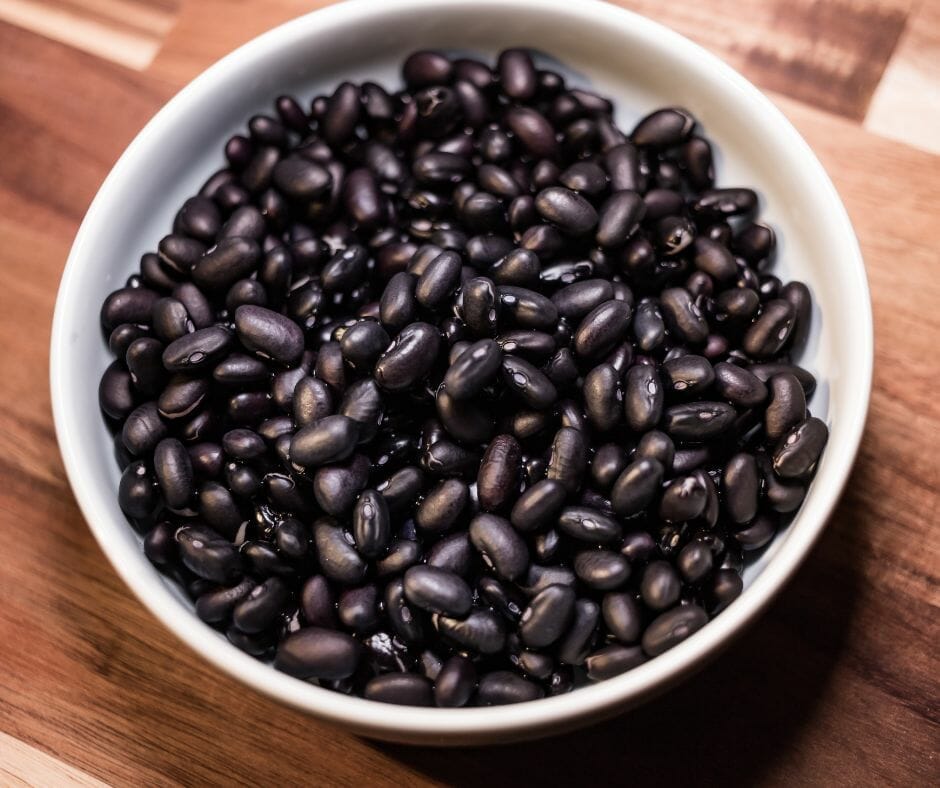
(460, 395)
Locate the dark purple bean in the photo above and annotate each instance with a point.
(547, 617)
(698, 421)
(687, 376)
(371, 525)
(682, 315)
(603, 570)
(208, 555)
(455, 683)
(327, 440)
(481, 631)
(697, 161)
(143, 360)
(610, 661)
(499, 545)
(619, 218)
(568, 210)
(473, 369)
(498, 478)
(637, 486)
(453, 553)
(526, 308)
(174, 472)
(739, 386)
(338, 558)
(726, 202)
(438, 169)
(426, 67)
(517, 75)
(314, 652)
(797, 452)
(577, 300)
(215, 607)
(528, 383)
(714, 259)
(684, 498)
(406, 689)
(116, 396)
(664, 128)
(437, 591)
(588, 525)
(603, 397)
(642, 398)
(397, 306)
(442, 506)
(727, 586)
(143, 430)
(409, 358)
(787, 406)
(755, 242)
(137, 491)
(261, 606)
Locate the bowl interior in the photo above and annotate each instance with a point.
(638, 64)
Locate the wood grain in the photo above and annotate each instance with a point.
(906, 103)
(838, 684)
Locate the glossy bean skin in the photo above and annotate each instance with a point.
(643, 397)
(698, 421)
(797, 452)
(499, 545)
(588, 525)
(408, 358)
(314, 652)
(473, 369)
(455, 683)
(787, 406)
(499, 473)
(437, 591)
(739, 386)
(741, 487)
(547, 616)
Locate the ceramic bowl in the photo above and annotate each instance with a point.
(642, 65)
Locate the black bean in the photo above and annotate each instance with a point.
(539, 505)
(603, 570)
(687, 375)
(439, 280)
(602, 328)
(499, 474)
(697, 161)
(694, 562)
(797, 452)
(588, 525)
(517, 75)
(314, 652)
(116, 396)
(455, 683)
(738, 385)
(726, 202)
(358, 610)
(464, 420)
(684, 498)
(671, 628)
(437, 591)
(143, 430)
(445, 458)
(698, 421)
(345, 270)
(660, 586)
(371, 525)
(578, 299)
(397, 306)
(312, 400)
(442, 506)
(128, 305)
(199, 350)
(137, 491)
(453, 553)
(363, 200)
(787, 406)
(528, 383)
(782, 495)
(406, 689)
(327, 440)
(642, 397)
(338, 558)
(261, 606)
(663, 128)
(174, 472)
(527, 308)
(437, 169)
(766, 336)
(603, 397)
(363, 343)
(547, 616)
(208, 555)
(409, 358)
(215, 607)
(568, 210)
(499, 545)
(481, 631)
(683, 316)
(143, 360)
(501, 687)
(473, 369)
(568, 459)
(619, 218)
(610, 661)
(714, 259)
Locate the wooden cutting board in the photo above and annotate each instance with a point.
(836, 685)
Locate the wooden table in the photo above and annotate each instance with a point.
(837, 684)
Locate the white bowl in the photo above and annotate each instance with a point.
(642, 66)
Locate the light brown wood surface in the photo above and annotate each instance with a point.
(838, 684)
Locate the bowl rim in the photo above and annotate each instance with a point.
(410, 723)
